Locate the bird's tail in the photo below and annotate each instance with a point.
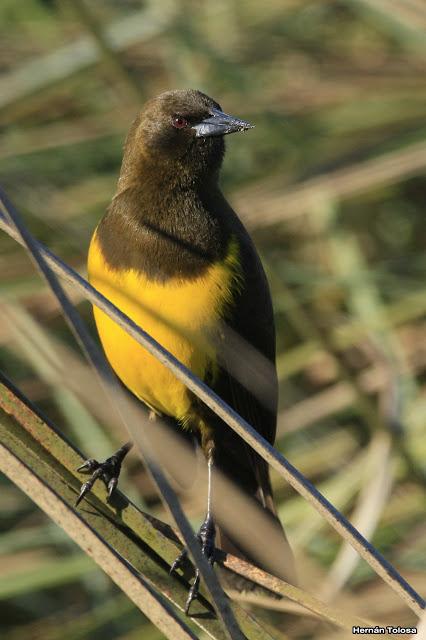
(269, 548)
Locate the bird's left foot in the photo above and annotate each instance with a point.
(108, 471)
(206, 536)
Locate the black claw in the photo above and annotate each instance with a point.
(111, 486)
(88, 466)
(109, 471)
(81, 495)
(179, 561)
(193, 592)
(206, 537)
(85, 488)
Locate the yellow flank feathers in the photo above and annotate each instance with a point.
(182, 315)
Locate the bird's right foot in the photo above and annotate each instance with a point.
(206, 536)
(108, 471)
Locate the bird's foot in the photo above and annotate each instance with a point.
(108, 471)
(206, 536)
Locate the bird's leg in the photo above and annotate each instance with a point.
(108, 471)
(206, 536)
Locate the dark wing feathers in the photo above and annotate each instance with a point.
(246, 354)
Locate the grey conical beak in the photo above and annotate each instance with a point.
(220, 124)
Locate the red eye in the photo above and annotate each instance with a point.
(179, 122)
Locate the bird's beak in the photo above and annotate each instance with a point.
(219, 124)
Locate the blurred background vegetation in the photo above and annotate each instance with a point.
(331, 184)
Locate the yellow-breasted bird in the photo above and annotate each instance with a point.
(173, 255)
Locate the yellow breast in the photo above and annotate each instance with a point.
(182, 315)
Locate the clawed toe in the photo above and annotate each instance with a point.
(179, 561)
(88, 466)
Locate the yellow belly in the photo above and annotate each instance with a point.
(182, 315)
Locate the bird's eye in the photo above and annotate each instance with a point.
(179, 122)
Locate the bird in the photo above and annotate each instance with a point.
(171, 253)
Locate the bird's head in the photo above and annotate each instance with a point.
(181, 131)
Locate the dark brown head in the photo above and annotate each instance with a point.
(179, 133)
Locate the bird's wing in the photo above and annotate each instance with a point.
(247, 377)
